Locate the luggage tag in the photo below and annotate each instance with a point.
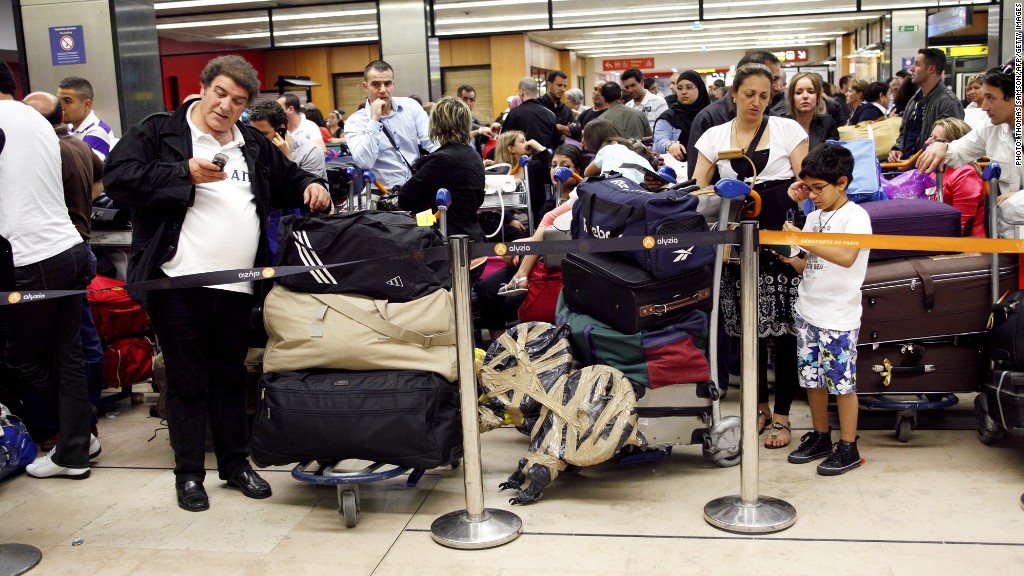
(425, 218)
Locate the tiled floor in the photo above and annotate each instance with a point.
(941, 504)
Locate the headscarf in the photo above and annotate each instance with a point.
(681, 116)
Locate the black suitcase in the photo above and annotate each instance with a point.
(1006, 336)
(1004, 393)
(915, 298)
(942, 365)
(628, 298)
(402, 417)
(355, 236)
(911, 218)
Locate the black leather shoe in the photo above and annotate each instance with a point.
(192, 496)
(250, 483)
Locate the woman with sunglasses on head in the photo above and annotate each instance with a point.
(766, 151)
(994, 138)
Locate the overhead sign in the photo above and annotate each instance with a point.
(792, 56)
(67, 45)
(622, 64)
(913, 28)
(950, 20)
(967, 50)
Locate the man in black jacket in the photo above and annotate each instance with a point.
(538, 123)
(162, 169)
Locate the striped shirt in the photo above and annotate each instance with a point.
(96, 134)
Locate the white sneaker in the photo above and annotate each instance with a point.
(94, 447)
(46, 468)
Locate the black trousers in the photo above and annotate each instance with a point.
(44, 349)
(785, 372)
(204, 333)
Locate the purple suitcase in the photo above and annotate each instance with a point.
(911, 218)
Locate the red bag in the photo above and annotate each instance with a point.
(127, 361)
(545, 284)
(115, 313)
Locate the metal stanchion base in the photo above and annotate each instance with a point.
(456, 530)
(18, 558)
(766, 516)
(1022, 501)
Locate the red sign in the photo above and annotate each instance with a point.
(611, 65)
(792, 55)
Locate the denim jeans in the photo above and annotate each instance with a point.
(92, 348)
(44, 348)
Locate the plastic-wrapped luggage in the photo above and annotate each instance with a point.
(580, 418)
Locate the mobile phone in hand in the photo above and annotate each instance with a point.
(220, 160)
(281, 131)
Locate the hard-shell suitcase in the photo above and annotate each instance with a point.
(932, 296)
(940, 365)
(629, 299)
(911, 218)
(1004, 391)
(402, 417)
(1006, 335)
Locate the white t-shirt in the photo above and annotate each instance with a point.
(653, 105)
(829, 294)
(33, 215)
(221, 230)
(784, 135)
(311, 131)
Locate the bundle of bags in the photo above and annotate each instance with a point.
(360, 360)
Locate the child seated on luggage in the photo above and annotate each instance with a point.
(828, 307)
(612, 151)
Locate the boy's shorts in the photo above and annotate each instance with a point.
(826, 358)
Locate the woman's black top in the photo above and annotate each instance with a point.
(458, 168)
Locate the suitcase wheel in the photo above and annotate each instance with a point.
(348, 505)
(904, 426)
(989, 431)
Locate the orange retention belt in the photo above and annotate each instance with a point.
(932, 243)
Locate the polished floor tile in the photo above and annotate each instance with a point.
(941, 503)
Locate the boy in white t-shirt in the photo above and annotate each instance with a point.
(828, 308)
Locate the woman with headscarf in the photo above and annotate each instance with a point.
(672, 128)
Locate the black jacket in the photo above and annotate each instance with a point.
(148, 172)
(459, 169)
(823, 128)
(536, 121)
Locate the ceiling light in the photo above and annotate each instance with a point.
(486, 4)
(770, 14)
(200, 3)
(625, 11)
(281, 17)
(687, 36)
(453, 21)
(706, 47)
(300, 31)
(476, 30)
(335, 41)
(202, 23)
(669, 47)
(740, 24)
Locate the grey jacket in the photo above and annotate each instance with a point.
(939, 103)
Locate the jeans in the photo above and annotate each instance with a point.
(92, 349)
(44, 350)
(203, 333)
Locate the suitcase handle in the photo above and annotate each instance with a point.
(886, 370)
(659, 309)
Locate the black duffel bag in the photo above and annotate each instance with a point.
(354, 236)
(1006, 334)
(402, 417)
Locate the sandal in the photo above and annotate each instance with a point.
(518, 286)
(776, 431)
(761, 426)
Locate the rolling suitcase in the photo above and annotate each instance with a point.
(629, 299)
(1004, 392)
(915, 298)
(911, 218)
(941, 365)
(403, 417)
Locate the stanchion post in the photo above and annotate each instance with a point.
(354, 177)
(475, 527)
(524, 163)
(749, 512)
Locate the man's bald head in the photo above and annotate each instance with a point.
(528, 88)
(48, 105)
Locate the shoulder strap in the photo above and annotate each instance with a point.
(384, 327)
(393, 143)
(757, 137)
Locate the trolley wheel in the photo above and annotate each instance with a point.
(722, 443)
(904, 426)
(726, 461)
(455, 463)
(989, 431)
(350, 508)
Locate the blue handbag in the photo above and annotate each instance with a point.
(17, 450)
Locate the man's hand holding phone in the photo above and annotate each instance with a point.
(202, 171)
(282, 143)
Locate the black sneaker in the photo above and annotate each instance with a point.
(813, 445)
(843, 458)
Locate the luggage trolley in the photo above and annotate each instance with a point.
(666, 416)
(503, 191)
(347, 479)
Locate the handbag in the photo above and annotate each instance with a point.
(883, 132)
(17, 450)
(353, 332)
